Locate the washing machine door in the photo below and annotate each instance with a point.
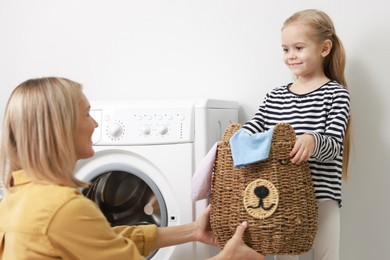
(122, 186)
(127, 199)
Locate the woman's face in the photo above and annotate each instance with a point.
(85, 127)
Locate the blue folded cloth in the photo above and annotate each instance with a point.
(250, 148)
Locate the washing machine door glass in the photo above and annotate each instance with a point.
(126, 199)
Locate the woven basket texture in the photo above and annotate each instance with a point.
(291, 228)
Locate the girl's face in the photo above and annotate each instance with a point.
(302, 54)
(85, 127)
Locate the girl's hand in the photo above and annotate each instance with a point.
(303, 148)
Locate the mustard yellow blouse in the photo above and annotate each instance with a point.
(47, 221)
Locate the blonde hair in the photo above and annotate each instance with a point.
(38, 131)
(334, 63)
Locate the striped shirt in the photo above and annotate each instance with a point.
(324, 113)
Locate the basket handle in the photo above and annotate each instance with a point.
(230, 131)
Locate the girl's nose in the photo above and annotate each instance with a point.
(292, 56)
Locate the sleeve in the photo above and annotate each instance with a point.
(256, 124)
(330, 143)
(79, 230)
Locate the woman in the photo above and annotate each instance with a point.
(47, 128)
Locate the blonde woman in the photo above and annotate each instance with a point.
(47, 128)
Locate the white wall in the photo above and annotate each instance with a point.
(227, 49)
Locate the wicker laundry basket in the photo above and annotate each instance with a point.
(275, 196)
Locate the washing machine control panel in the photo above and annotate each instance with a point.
(142, 126)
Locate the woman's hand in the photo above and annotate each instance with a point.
(198, 230)
(236, 249)
(303, 148)
(204, 232)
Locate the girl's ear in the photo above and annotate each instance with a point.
(326, 48)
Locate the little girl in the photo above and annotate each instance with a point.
(317, 105)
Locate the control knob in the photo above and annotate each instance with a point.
(145, 130)
(163, 129)
(115, 130)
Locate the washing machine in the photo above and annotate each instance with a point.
(146, 152)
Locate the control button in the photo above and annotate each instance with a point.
(163, 129)
(145, 130)
(106, 118)
(169, 117)
(181, 117)
(158, 117)
(148, 117)
(115, 130)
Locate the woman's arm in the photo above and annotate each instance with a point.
(199, 230)
(79, 230)
(235, 248)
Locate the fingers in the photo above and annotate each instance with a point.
(303, 148)
(294, 150)
(241, 229)
(302, 155)
(208, 209)
(206, 216)
(296, 153)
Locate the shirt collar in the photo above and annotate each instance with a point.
(20, 177)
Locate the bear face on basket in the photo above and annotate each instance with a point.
(275, 196)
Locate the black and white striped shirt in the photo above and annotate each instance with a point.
(324, 113)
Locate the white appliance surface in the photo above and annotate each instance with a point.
(159, 142)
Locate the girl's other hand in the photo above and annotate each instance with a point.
(303, 148)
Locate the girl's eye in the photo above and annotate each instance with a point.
(299, 48)
(285, 50)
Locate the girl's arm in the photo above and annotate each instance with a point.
(329, 145)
